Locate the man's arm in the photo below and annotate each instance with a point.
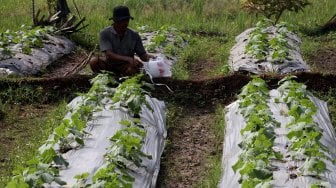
(140, 50)
(146, 57)
(116, 57)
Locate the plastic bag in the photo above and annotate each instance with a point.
(158, 67)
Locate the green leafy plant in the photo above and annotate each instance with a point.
(125, 147)
(70, 131)
(304, 134)
(321, 184)
(26, 38)
(166, 39)
(125, 150)
(129, 95)
(261, 44)
(126, 144)
(273, 8)
(81, 180)
(258, 136)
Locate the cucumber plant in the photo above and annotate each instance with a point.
(24, 39)
(262, 43)
(257, 137)
(126, 144)
(166, 39)
(304, 134)
(44, 168)
(125, 150)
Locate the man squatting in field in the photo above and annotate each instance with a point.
(119, 44)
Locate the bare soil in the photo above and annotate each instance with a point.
(191, 141)
(324, 61)
(201, 69)
(66, 64)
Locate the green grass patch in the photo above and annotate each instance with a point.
(225, 16)
(23, 95)
(222, 57)
(213, 173)
(23, 129)
(202, 50)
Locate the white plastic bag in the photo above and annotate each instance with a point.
(158, 67)
(6, 72)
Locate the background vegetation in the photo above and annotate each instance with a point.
(213, 24)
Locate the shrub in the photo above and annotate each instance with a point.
(273, 8)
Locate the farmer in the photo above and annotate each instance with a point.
(119, 44)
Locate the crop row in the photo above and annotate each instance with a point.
(167, 40)
(125, 144)
(263, 42)
(24, 39)
(258, 136)
(303, 133)
(256, 163)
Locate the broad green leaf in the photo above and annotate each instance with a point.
(59, 181)
(59, 160)
(238, 165)
(47, 178)
(17, 183)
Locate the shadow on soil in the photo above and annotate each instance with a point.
(184, 92)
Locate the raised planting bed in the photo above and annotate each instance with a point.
(278, 138)
(164, 43)
(267, 49)
(28, 51)
(110, 137)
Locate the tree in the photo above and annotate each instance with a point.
(274, 8)
(59, 6)
(59, 16)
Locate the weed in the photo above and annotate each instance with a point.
(202, 49)
(24, 128)
(22, 95)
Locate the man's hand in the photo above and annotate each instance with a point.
(135, 62)
(111, 56)
(130, 60)
(147, 56)
(151, 56)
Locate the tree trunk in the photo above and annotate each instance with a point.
(330, 25)
(33, 12)
(63, 7)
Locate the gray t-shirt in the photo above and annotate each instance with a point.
(129, 45)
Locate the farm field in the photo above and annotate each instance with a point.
(202, 83)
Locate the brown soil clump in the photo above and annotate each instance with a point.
(324, 61)
(200, 70)
(65, 64)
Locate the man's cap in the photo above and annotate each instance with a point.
(121, 13)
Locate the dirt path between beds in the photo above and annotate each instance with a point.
(191, 142)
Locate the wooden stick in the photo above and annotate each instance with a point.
(80, 66)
